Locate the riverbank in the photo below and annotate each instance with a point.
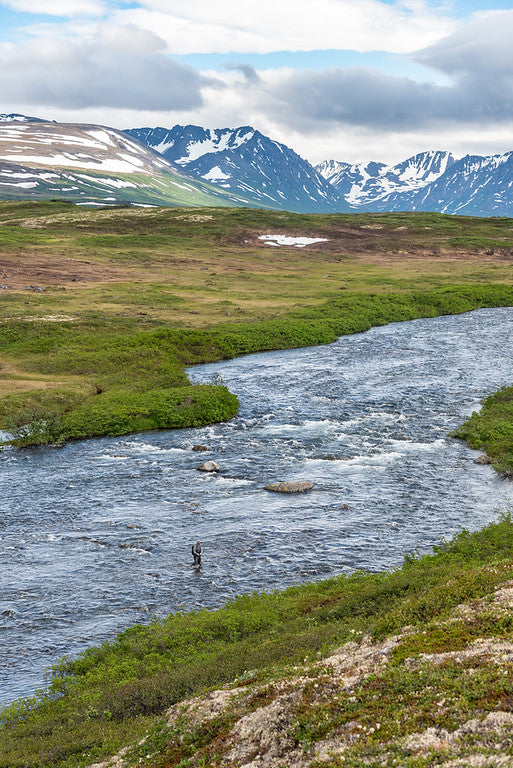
(120, 301)
(491, 430)
(424, 679)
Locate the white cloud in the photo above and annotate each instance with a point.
(120, 75)
(117, 66)
(263, 26)
(58, 7)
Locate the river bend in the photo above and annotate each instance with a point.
(96, 536)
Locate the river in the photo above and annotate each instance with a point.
(96, 536)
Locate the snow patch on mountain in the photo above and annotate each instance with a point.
(216, 174)
(217, 141)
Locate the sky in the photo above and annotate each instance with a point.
(333, 79)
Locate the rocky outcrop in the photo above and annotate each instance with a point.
(338, 709)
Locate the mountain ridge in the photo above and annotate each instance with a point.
(244, 161)
(366, 183)
(95, 165)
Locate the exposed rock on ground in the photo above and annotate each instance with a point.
(483, 459)
(359, 706)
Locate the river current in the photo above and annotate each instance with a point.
(96, 536)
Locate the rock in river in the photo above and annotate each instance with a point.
(483, 459)
(294, 486)
(200, 448)
(209, 466)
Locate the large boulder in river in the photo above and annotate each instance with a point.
(209, 466)
(483, 459)
(293, 486)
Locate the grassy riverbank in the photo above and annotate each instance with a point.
(261, 645)
(491, 430)
(100, 311)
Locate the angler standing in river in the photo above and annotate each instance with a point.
(196, 553)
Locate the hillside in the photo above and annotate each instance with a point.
(90, 164)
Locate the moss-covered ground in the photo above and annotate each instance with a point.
(491, 430)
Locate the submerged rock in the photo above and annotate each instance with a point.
(209, 466)
(294, 486)
(200, 448)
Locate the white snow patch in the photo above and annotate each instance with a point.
(163, 146)
(215, 143)
(298, 242)
(110, 164)
(116, 183)
(216, 174)
(102, 136)
(23, 184)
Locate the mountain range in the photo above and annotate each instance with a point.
(431, 181)
(190, 165)
(245, 162)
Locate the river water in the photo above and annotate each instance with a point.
(96, 536)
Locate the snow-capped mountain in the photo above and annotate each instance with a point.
(245, 162)
(474, 185)
(93, 164)
(363, 184)
(189, 165)
(429, 181)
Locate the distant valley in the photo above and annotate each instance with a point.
(194, 166)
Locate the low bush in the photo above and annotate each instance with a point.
(491, 430)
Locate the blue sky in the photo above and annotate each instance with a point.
(377, 79)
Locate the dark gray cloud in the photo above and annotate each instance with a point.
(119, 67)
(477, 62)
(249, 73)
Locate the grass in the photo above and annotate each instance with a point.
(115, 693)
(126, 298)
(491, 430)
